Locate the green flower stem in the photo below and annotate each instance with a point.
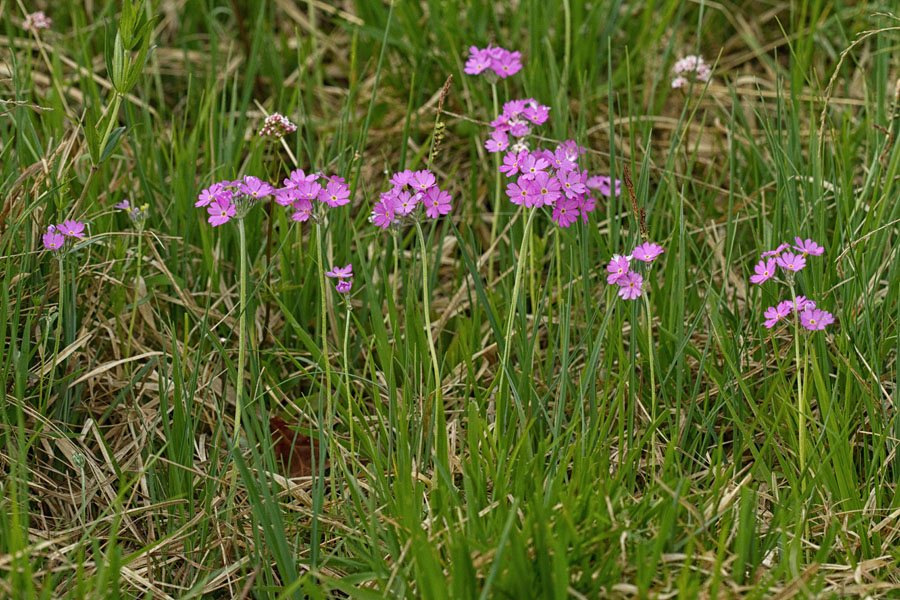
(439, 401)
(801, 400)
(496, 217)
(59, 320)
(507, 341)
(347, 381)
(653, 407)
(137, 283)
(242, 332)
(323, 334)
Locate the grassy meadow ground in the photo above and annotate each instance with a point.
(525, 448)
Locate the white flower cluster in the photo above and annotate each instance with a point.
(277, 125)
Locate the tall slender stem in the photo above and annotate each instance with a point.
(507, 340)
(347, 381)
(496, 216)
(137, 284)
(242, 332)
(801, 400)
(652, 380)
(59, 322)
(323, 314)
(439, 402)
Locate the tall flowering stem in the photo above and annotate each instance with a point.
(439, 402)
(801, 400)
(59, 320)
(242, 331)
(653, 406)
(498, 178)
(137, 283)
(323, 315)
(507, 340)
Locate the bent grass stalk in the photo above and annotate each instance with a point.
(137, 289)
(507, 340)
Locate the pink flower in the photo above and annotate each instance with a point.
(781, 248)
(801, 303)
(343, 286)
(508, 63)
(548, 188)
(277, 125)
(123, 205)
(536, 113)
(561, 160)
(340, 272)
(765, 269)
(816, 319)
(517, 191)
(791, 262)
(586, 205)
(511, 163)
(437, 202)
(647, 252)
(302, 212)
(402, 178)
(531, 165)
(498, 142)
(630, 285)
(422, 180)
(37, 20)
(617, 267)
(572, 184)
(808, 247)
(693, 67)
(71, 228)
(53, 240)
(220, 211)
(479, 61)
(309, 190)
(209, 194)
(255, 187)
(565, 212)
(298, 177)
(384, 212)
(774, 314)
(404, 202)
(285, 196)
(335, 194)
(605, 185)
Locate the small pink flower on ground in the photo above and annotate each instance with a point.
(679, 82)
(764, 269)
(53, 239)
(71, 228)
(693, 67)
(123, 205)
(647, 252)
(384, 212)
(255, 187)
(774, 314)
(808, 246)
(630, 285)
(405, 203)
(791, 262)
(498, 142)
(37, 20)
(801, 303)
(437, 202)
(220, 212)
(565, 212)
(781, 248)
(335, 194)
(816, 319)
(343, 286)
(618, 266)
(340, 272)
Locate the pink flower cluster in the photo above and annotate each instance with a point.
(226, 200)
(606, 185)
(409, 189)
(500, 61)
(791, 259)
(277, 125)
(516, 120)
(631, 282)
(301, 189)
(57, 235)
(688, 68)
(37, 20)
(137, 214)
(344, 275)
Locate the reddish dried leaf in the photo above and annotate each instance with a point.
(294, 450)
